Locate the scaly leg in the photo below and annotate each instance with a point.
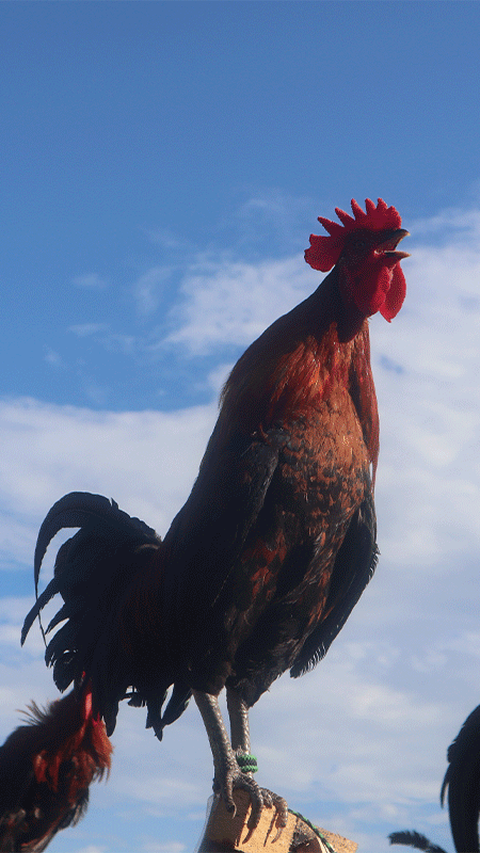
(239, 727)
(240, 739)
(228, 775)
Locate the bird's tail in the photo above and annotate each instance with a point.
(46, 767)
(463, 782)
(412, 838)
(109, 576)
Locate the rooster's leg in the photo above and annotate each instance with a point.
(228, 775)
(240, 736)
(239, 726)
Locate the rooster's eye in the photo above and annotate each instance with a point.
(359, 246)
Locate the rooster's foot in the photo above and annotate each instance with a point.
(234, 767)
(260, 798)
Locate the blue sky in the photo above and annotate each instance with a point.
(138, 135)
(162, 166)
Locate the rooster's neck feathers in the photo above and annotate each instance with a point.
(309, 358)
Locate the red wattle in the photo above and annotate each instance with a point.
(396, 294)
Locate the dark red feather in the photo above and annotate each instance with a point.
(46, 767)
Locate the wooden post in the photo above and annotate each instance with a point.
(226, 834)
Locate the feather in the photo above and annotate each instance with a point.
(462, 780)
(46, 768)
(411, 838)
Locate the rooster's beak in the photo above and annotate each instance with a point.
(388, 246)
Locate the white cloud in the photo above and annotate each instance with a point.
(453, 226)
(231, 303)
(146, 460)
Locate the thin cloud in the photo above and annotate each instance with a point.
(225, 303)
(167, 239)
(92, 281)
(53, 358)
(86, 330)
(448, 221)
(149, 289)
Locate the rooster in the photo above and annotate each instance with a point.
(463, 782)
(262, 566)
(46, 768)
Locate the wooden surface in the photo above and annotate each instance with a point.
(226, 834)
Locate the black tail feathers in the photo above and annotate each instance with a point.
(109, 576)
(104, 529)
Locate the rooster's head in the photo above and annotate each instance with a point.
(364, 249)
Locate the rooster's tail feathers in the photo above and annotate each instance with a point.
(47, 766)
(109, 576)
(101, 522)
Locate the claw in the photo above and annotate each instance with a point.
(280, 817)
(228, 774)
(260, 798)
(234, 779)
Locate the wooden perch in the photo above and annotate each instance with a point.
(226, 834)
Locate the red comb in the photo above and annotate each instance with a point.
(324, 252)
